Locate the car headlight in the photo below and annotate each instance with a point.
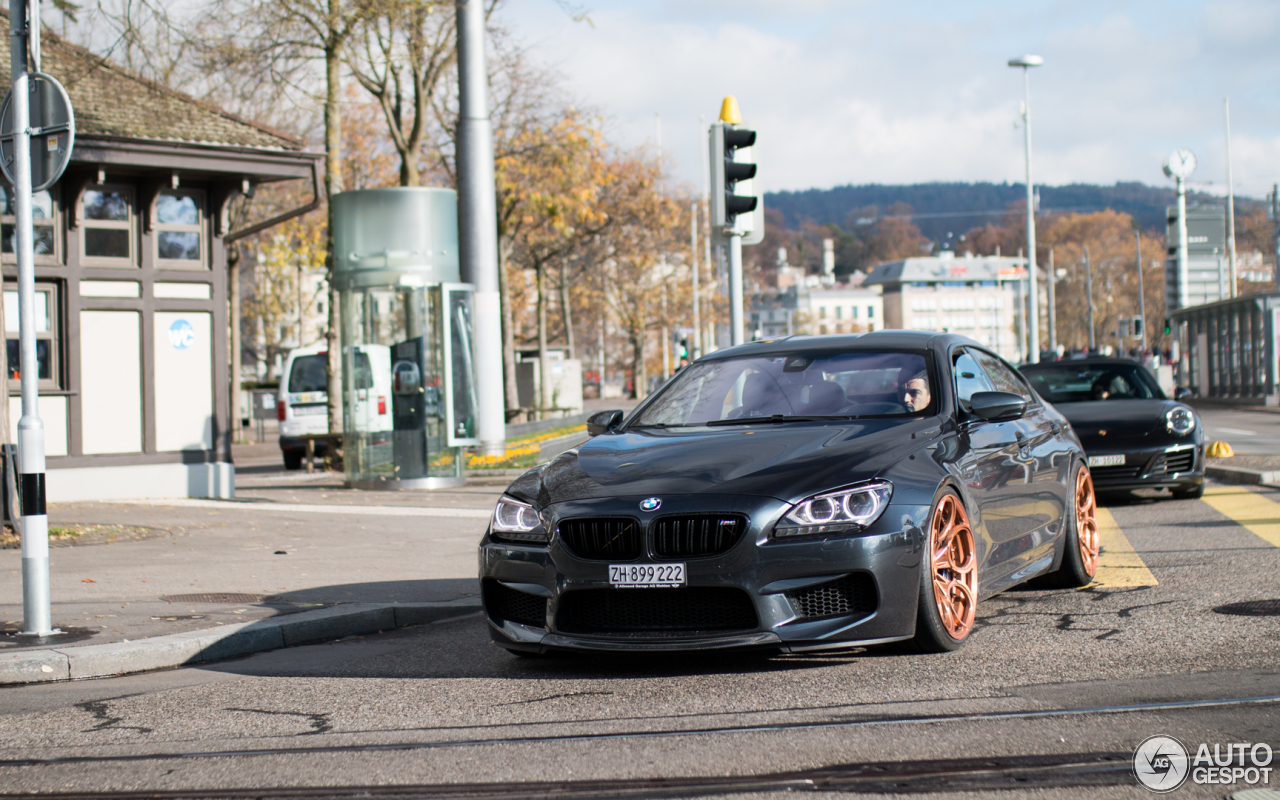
(1180, 421)
(840, 511)
(516, 521)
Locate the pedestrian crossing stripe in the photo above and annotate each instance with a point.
(1118, 563)
(1255, 512)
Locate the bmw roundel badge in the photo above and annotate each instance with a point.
(651, 504)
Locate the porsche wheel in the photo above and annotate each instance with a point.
(949, 578)
(1080, 559)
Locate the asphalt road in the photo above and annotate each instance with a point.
(1246, 431)
(1048, 699)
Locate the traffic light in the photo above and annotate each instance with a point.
(682, 350)
(1137, 327)
(731, 165)
(1168, 326)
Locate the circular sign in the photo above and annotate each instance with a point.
(1180, 163)
(182, 335)
(1161, 764)
(52, 125)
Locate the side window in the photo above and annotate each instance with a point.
(970, 378)
(1002, 377)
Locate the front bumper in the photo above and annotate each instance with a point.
(786, 595)
(1178, 466)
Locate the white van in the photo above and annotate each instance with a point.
(302, 405)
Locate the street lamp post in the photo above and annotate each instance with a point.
(1026, 62)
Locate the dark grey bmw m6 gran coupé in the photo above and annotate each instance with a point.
(800, 493)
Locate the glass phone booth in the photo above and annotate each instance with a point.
(409, 403)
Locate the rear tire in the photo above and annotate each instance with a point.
(948, 578)
(292, 459)
(1080, 556)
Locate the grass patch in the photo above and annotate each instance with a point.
(75, 531)
(521, 453)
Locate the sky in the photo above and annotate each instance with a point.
(909, 91)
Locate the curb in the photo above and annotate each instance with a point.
(1241, 475)
(229, 641)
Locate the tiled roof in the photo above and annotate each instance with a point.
(109, 100)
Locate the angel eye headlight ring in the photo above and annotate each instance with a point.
(516, 521)
(848, 510)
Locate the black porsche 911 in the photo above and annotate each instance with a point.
(1134, 436)
(800, 493)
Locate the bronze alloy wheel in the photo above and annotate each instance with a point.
(954, 566)
(1087, 521)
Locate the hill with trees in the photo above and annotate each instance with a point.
(939, 209)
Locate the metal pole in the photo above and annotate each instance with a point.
(1142, 301)
(1088, 285)
(37, 618)
(697, 333)
(1033, 318)
(735, 285)
(1182, 243)
(477, 223)
(1231, 201)
(1052, 279)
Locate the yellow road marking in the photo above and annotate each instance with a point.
(1255, 512)
(1118, 563)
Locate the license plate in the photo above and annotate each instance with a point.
(646, 576)
(1106, 461)
(310, 411)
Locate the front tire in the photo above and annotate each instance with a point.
(948, 578)
(1080, 558)
(1194, 493)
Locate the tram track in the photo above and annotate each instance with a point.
(1009, 772)
(373, 747)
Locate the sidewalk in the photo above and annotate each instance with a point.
(293, 558)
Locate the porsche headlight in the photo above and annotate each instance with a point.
(517, 522)
(1180, 421)
(841, 511)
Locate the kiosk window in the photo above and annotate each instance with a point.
(47, 326)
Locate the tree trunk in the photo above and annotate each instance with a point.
(638, 378)
(508, 342)
(544, 360)
(333, 185)
(566, 311)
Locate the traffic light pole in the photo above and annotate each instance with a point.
(37, 619)
(735, 285)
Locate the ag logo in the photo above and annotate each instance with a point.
(1160, 763)
(651, 504)
(182, 335)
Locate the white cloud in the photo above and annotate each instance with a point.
(895, 93)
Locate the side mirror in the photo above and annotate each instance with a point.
(603, 422)
(1182, 393)
(997, 406)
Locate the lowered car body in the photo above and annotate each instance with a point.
(805, 507)
(1134, 436)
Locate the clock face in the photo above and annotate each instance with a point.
(1180, 163)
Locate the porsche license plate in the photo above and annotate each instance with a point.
(646, 576)
(1106, 461)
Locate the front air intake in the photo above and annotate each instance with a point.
(852, 595)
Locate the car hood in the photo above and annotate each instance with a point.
(1127, 421)
(786, 461)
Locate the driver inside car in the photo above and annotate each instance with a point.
(915, 392)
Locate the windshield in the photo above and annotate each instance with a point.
(1082, 383)
(861, 384)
